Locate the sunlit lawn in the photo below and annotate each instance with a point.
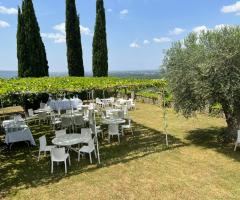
(195, 167)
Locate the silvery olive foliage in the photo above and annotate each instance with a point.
(204, 69)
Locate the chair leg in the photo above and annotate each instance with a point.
(69, 160)
(118, 138)
(65, 163)
(132, 131)
(108, 138)
(90, 157)
(95, 153)
(78, 156)
(235, 148)
(39, 155)
(52, 167)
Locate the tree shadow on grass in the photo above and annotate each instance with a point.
(211, 138)
(19, 167)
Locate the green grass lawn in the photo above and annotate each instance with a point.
(195, 166)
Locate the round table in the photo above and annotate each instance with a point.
(69, 140)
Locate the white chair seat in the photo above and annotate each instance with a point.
(126, 126)
(49, 148)
(64, 157)
(86, 149)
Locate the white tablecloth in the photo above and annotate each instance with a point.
(65, 104)
(19, 136)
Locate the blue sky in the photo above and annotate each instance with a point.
(138, 30)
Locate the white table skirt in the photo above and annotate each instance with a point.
(65, 104)
(19, 136)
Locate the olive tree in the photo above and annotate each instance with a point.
(204, 69)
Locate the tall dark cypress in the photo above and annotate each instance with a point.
(32, 55)
(100, 51)
(21, 48)
(73, 39)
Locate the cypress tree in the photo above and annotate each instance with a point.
(100, 51)
(32, 57)
(73, 40)
(21, 48)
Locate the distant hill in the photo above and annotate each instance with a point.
(148, 74)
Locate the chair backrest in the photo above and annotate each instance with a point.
(42, 105)
(42, 142)
(78, 120)
(66, 122)
(30, 112)
(121, 114)
(86, 132)
(129, 104)
(42, 115)
(112, 99)
(91, 143)
(60, 133)
(113, 128)
(58, 154)
(69, 112)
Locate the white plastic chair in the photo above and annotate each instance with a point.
(96, 129)
(237, 141)
(79, 121)
(55, 121)
(43, 116)
(31, 115)
(59, 155)
(133, 106)
(43, 146)
(127, 126)
(99, 102)
(60, 133)
(112, 131)
(66, 122)
(88, 149)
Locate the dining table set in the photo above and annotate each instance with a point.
(17, 130)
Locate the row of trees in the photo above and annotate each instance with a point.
(31, 53)
(204, 70)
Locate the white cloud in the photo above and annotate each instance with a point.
(56, 37)
(162, 40)
(233, 8)
(85, 31)
(60, 36)
(8, 11)
(177, 31)
(4, 24)
(200, 29)
(146, 42)
(124, 13)
(109, 10)
(134, 45)
(60, 27)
